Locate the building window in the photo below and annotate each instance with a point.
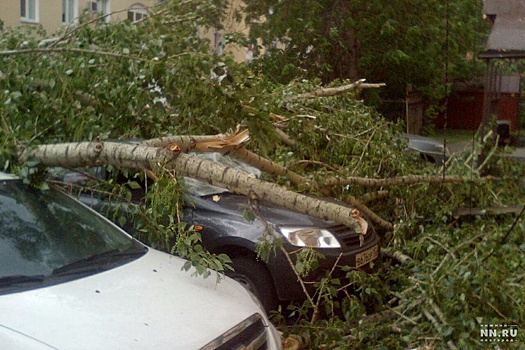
(101, 7)
(218, 42)
(137, 12)
(29, 10)
(69, 11)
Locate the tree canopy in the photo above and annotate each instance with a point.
(400, 43)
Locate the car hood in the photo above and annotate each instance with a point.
(425, 144)
(146, 304)
(234, 204)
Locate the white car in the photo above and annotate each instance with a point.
(70, 279)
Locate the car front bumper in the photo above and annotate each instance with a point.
(363, 258)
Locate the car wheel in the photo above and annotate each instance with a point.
(255, 277)
(427, 158)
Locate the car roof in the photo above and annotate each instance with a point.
(414, 137)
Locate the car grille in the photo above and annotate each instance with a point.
(249, 334)
(345, 235)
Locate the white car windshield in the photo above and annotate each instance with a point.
(43, 231)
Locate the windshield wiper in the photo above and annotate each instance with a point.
(98, 262)
(9, 281)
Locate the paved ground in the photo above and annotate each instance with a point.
(459, 146)
(519, 153)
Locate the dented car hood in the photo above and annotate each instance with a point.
(235, 204)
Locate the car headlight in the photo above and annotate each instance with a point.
(309, 237)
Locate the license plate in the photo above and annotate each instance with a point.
(365, 257)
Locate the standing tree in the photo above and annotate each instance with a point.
(396, 42)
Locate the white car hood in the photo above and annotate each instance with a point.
(146, 304)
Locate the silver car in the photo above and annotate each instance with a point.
(429, 149)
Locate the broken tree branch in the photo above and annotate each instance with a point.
(228, 144)
(396, 255)
(402, 180)
(368, 212)
(222, 143)
(324, 92)
(68, 49)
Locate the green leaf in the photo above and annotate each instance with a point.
(134, 185)
(187, 265)
(299, 266)
(16, 95)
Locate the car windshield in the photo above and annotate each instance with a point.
(42, 232)
(201, 188)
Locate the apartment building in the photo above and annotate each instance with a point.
(55, 14)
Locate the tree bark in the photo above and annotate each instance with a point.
(223, 143)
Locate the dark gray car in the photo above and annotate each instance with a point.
(225, 229)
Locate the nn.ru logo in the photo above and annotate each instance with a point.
(504, 333)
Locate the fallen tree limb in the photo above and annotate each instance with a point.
(370, 197)
(228, 144)
(324, 92)
(395, 255)
(267, 165)
(403, 180)
(438, 327)
(207, 143)
(368, 212)
(285, 138)
(186, 143)
(150, 158)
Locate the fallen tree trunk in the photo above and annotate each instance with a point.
(153, 158)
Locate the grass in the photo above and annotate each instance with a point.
(455, 135)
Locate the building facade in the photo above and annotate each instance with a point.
(53, 15)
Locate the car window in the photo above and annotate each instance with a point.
(78, 176)
(42, 230)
